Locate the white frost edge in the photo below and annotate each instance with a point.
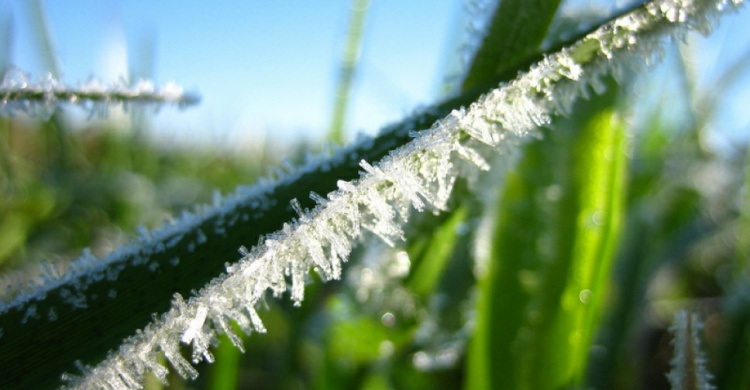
(688, 359)
(418, 174)
(93, 94)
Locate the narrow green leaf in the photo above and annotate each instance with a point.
(349, 62)
(517, 30)
(225, 371)
(732, 372)
(430, 254)
(511, 277)
(600, 175)
(558, 222)
(595, 208)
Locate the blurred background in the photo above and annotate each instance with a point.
(263, 66)
(259, 66)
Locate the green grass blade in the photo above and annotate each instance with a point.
(225, 371)
(349, 62)
(516, 31)
(732, 372)
(595, 206)
(601, 167)
(430, 254)
(557, 227)
(510, 279)
(38, 18)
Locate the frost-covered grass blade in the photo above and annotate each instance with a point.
(20, 94)
(314, 234)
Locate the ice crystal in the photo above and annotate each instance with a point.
(688, 363)
(20, 94)
(418, 175)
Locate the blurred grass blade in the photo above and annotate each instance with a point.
(225, 371)
(516, 30)
(732, 372)
(6, 38)
(600, 178)
(736, 352)
(38, 18)
(349, 61)
(550, 259)
(21, 94)
(578, 281)
(430, 254)
(742, 256)
(510, 278)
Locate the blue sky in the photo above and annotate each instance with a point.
(270, 66)
(258, 65)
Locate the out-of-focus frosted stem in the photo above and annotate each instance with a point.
(19, 94)
(689, 370)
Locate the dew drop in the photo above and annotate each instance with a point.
(584, 296)
(388, 319)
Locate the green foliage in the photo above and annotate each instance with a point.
(552, 250)
(63, 191)
(515, 32)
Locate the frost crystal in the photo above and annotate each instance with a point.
(19, 94)
(688, 363)
(418, 175)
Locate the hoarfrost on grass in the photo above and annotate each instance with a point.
(688, 362)
(18, 93)
(418, 175)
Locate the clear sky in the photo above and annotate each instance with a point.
(258, 64)
(271, 65)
